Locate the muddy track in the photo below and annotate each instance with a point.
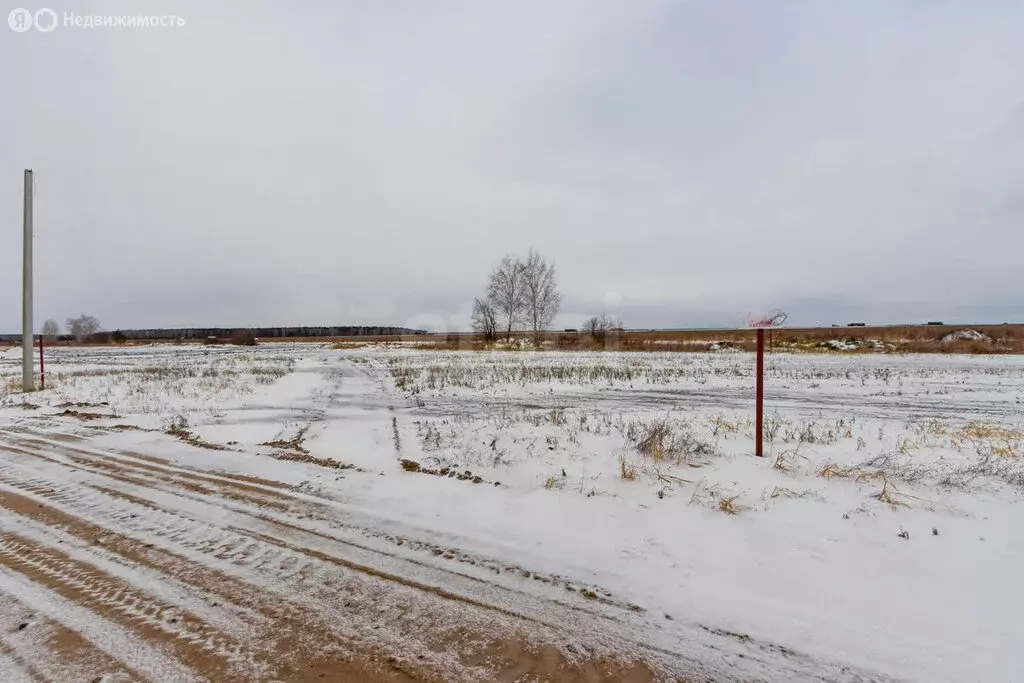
(267, 494)
(213, 576)
(222, 533)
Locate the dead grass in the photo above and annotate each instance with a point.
(193, 440)
(310, 460)
(886, 495)
(782, 492)
(81, 415)
(898, 338)
(661, 440)
(1000, 440)
(854, 473)
(784, 461)
(729, 505)
(711, 496)
(627, 471)
(295, 444)
(905, 338)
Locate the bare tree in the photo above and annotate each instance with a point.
(82, 327)
(541, 293)
(593, 326)
(506, 292)
(50, 329)
(611, 323)
(485, 320)
(597, 325)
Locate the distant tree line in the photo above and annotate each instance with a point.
(266, 332)
(86, 329)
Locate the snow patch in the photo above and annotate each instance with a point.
(965, 335)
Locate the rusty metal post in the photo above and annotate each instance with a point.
(42, 366)
(759, 418)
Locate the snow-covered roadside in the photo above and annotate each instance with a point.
(809, 563)
(813, 563)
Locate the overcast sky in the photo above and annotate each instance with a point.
(683, 163)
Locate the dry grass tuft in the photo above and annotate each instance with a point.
(729, 505)
(886, 495)
(711, 497)
(988, 436)
(657, 442)
(833, 470)
(785, 461)
(179, 430)
(781, 492)
(660, 440)
(627, 471)
(294, 444)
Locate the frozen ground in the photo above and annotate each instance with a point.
(472, 516)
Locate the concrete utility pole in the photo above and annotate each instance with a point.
(27, 380)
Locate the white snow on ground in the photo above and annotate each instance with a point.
(881, 531)
(841, 345)
(965, 335)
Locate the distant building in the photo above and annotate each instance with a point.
(856, 324)
(934, 322)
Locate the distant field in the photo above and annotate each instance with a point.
(896, 338)
(384, 513)
(999, 339)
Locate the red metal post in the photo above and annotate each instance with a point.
(42, 367)
(759, 419)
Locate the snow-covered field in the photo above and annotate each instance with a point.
(230, 513)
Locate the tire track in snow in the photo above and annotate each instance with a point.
(144, 659)
(34, 648)
(317, 509)
(245, 489)
(193, 642)
(287, 637)
(278, 562)
(353, 597)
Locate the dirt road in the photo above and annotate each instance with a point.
(122, 566)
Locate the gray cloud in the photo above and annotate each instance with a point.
(682, 163)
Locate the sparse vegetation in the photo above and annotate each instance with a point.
(627, 471)
(243, 338)
(662, 440)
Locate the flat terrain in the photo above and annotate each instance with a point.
(302, 512)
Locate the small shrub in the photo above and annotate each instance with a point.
(243, 338)
(626, 471)
(729, 505)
